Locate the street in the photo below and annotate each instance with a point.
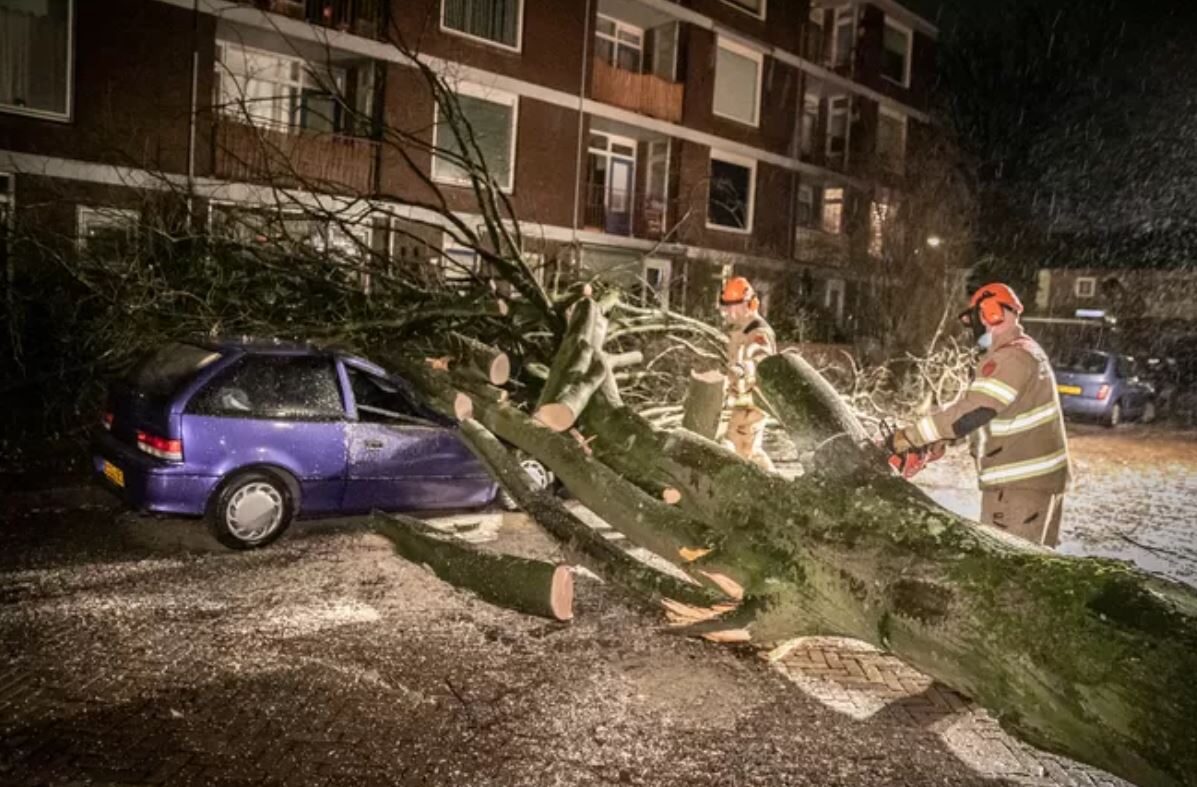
(138, 652)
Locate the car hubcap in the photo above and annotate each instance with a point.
(541, 477)
(254, 512)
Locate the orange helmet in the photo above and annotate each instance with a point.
(738, 290)
(988, 306)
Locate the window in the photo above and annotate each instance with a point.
(106, 231)
(738, 83)
(610, 183)
(891, 140)
(837, 127)
(456, 264)
(379, 400)
(1086, 287)
(6, 217)
(895, 55)
(268, 386)
(35, 57)
(164, 372)
(810, 122)
(806, 206)
(833, 210)
(277, 91)
(754, 7)
(833, 298)
(730, 198)
(656, 282)
(880, 216)
(619, 44)
(491, 117)
(844, 39)
(496, 21)
(290, 231)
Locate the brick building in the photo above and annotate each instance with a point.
(665, 143)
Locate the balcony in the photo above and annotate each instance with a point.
(310, 160)
(643, 219)
(360, 17)
(813, 246)
(646, 94)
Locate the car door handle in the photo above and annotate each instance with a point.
(373, 445)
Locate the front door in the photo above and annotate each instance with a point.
(400, 459)
(619, 196)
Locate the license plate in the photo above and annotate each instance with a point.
(1074, 390)
(114, 474)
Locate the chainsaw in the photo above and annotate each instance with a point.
(908, 463)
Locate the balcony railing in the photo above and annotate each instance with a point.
(646, 219)
(320, 162)
(647, 94)
(815, 247)
(360, 17)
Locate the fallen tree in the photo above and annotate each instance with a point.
(1085, 657)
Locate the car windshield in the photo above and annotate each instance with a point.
(1087, 362)
(165, 370)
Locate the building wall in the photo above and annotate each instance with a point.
(868, 60)
(132, 90)
(1124, 294)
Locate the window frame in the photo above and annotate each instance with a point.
(231, 106)
(809, 190)
(739, 6)
(908, 57)
(493, 96)
(723, 42)
(44, 114)
(664, 266)
(82, 212)
(749, 214)
(519, 31)
(843, 17)
(1091, 281)
(617, 42)
(824, 202)
(897, 164)
(832, 112)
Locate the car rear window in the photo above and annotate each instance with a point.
(166, 370)
(1088, 362)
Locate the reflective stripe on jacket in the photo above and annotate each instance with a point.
(1013, 401)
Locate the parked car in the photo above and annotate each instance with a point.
(252, 435)
(1104, 386)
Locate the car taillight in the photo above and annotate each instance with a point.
(161, 447)
(106, 421)
(1102, 392)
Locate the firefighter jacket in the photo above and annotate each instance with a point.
(747, 345)
(1013, 403)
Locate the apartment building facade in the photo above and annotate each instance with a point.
(663, 144)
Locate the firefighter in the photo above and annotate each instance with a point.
(749, 340)
(1013, 407)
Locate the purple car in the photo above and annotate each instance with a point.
(251, 435)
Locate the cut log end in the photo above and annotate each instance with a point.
(561, 593)
(500, 370)
(690, 555)
(503, 308)
(556, 416)
(440, 364)
(728, 637)
(707, 378)
(671, 496)
(463, 407)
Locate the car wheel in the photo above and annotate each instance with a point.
(252, 509)
(1114, 417)
(542, 478)
(1148, 413)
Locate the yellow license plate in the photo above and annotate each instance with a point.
(1075, 390)
(114, 474)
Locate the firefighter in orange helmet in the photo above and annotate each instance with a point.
(749, 340)
(1014, 409)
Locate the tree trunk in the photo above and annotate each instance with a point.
(704, 403)
(480, 361)
(528, 586)
(579, 370)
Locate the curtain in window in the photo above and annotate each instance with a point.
(33, 54)
(494, 20)
(735, 86)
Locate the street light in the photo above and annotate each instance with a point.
(934, 241)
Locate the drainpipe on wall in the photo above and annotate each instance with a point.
(581, 128)
(194, 109)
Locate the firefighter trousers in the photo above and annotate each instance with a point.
(746, 435)
(1026, 513)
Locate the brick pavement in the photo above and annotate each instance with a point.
(861, 681)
